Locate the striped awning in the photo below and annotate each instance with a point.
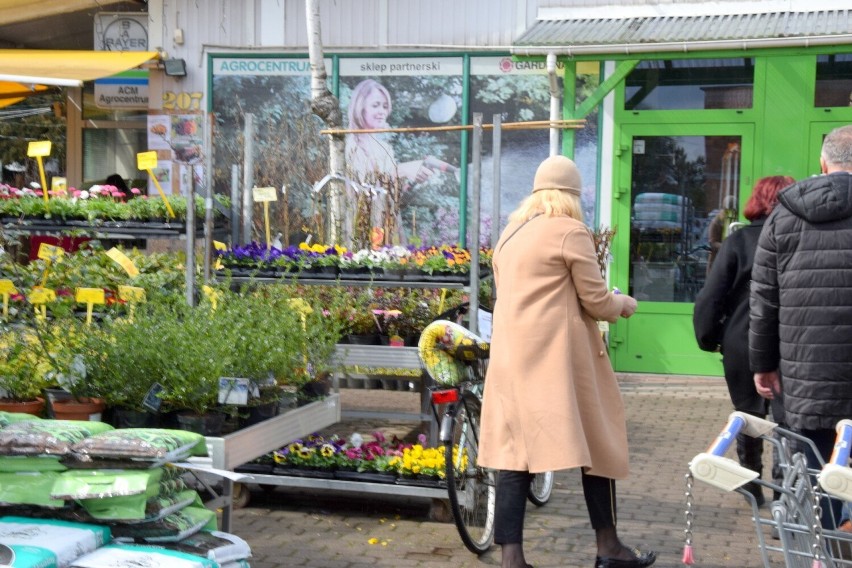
(682, 32)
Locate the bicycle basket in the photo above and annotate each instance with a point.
(446, 348)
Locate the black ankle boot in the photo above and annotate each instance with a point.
(757, 491)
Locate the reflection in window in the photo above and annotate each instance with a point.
(679, 84)
(833, 80)
(110, 151)
(679, 183)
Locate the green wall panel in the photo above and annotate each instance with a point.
(664, 343)
(784, 93)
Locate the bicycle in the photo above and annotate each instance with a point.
(457, 360)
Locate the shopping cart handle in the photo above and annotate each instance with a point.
(724, 473)
(836, 477)
(836, 480)
(842, 443)
(739, 422)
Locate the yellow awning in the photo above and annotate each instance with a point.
(11, 93)
(35, 68)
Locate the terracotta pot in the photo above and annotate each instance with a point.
(78, 409)
(34, 407)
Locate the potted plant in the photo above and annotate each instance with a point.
(22, 371)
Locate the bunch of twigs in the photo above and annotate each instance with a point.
(603, 242)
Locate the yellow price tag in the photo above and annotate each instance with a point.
(39, 295)
(123, 261)
(50, 253)
(262, 194)
(6, 287)
(90, 295)
(59, 185)
(38, 149)
(131, 293)
(146, 160)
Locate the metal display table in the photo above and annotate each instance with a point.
(243, 446)
(106, 229)
(351, 357)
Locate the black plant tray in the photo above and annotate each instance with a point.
(264, 468)
(422, 482)
(297, 472)
(130, 229)
(365, 476)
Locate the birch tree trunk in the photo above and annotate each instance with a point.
(326, 106)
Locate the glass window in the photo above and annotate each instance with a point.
(679, 184)
(833, 80)
(108, 151)
(681, 84)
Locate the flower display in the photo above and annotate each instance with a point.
(98, 202)
(381, 454)
(444, 258)
(420, 460)
(315, 452)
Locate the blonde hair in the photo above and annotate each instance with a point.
(550, 203)
(358, 101)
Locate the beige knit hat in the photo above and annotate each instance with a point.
(558, 172)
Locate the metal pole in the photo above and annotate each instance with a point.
(235, 205)
(496, 143)
(248, 179)
(473, 244)
(208, 199)
(190, 241)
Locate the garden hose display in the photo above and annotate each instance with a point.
(445, 347)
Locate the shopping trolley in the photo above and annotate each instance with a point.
(792, 525)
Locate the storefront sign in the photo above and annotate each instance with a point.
(121, 32)
(400, 66)
(128, 89)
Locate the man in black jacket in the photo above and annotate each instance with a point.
(800, 333)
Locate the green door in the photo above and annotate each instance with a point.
(818, 131)
(670, 182)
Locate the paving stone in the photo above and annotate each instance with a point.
(670, 420)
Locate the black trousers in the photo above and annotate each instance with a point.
(510, 509)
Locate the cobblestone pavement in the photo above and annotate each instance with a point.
(670, 420)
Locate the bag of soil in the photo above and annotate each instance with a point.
(153, 445)
(114, 555)
(46, 437)
(66, 541)
(173, 528)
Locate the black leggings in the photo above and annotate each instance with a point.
(512, 490)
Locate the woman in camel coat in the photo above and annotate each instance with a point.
(551, 399)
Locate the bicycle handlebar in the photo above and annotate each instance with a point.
(444, 345)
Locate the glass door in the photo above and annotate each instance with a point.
(673, 181)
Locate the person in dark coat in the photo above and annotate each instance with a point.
(800, 334)
(721, 317)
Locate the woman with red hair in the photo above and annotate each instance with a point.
(721, 318)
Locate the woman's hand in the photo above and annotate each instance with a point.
(415, 172)
(628, 305)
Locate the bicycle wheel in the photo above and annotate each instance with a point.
(541, 488)
(471, 488)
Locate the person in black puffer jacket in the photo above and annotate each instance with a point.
(800, 334)
(720, 321)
